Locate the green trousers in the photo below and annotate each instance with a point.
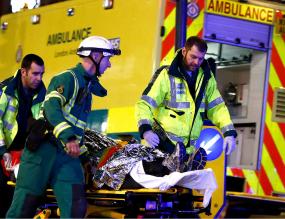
(49, 166)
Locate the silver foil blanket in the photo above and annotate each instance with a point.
(121, 162)
(96, 143)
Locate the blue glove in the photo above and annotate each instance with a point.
(151, 138)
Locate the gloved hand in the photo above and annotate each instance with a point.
(7, 161)
(151, 138)
(229, 144)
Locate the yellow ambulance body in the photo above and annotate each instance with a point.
(136, 27)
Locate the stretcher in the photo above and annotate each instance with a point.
(148, 203)
(174, 202)
(132, 203)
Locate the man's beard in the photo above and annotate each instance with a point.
(192, 68)
(189, 67)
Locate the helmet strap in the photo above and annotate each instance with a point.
(97, 65)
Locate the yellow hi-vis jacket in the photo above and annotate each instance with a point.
(167, 99)
(9, 105)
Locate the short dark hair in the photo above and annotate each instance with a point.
(197, 41)
(29, 59)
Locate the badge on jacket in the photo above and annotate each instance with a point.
(60, 89)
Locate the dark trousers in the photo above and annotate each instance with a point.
(6, 194)
(49, 164)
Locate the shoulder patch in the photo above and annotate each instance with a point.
(60, 89)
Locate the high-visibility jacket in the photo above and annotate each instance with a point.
(68, 102)
(9, 105)
(167, 98)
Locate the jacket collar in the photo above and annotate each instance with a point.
(12, 84)
(176, 69)
(41, 92)
(81, 71)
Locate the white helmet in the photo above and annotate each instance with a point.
(97, 44)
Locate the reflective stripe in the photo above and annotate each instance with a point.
(203, 105)
(57, 95)
(215, 102)
(180, 85)
(178, 105)
(149, 100)
(71, 102)
(8, 125)
(174, 137)
(173, 103)
(172, 89)
(69, 118)
(11, 108)
(81, 124)
(1, 113)
(144, 122)
(66, 110)
(180, 91)
(41, 114)
(228, 128)
(74, 121)
(34, 97)
(60, 127)
(180, 88)
(2, 143)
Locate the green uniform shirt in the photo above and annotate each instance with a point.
(68, 102)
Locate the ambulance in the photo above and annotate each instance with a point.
(246, 40)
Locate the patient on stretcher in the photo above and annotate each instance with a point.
(117, 165)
